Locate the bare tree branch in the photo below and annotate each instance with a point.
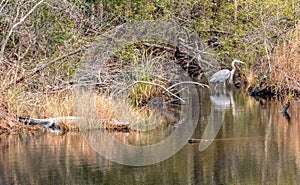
(188, 82)
(5, 40)
(42, 67)
(166, 89)
(2, 5)
(150, 83)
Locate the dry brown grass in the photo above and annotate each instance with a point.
(55, 105)
(8, 121)
(285, 68)
(104, 107)
(52, 105)
(42, 105)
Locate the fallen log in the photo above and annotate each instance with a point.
(191, 141)
(64, 124)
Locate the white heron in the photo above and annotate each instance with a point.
(225, 74)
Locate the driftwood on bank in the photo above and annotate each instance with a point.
(62, 124)
(51, 124)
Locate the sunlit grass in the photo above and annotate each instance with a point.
(62, 105)
(41, 105)
(285, 68)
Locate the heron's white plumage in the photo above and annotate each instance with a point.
(220, 76)
(225, 74)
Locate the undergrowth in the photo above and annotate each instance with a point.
(285, 66)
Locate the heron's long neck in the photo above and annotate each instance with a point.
(232, 74)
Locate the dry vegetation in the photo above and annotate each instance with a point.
(57, 105)
(42, 44)
(8, 123)
(285, 69)
(43, 105)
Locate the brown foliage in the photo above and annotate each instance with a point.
(285, 68)
(8, 121)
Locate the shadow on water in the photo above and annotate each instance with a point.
(254, 144)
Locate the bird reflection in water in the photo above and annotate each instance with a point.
(221, 101)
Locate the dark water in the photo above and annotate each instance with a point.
(255, 145)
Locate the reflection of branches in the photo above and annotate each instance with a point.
(286, 116)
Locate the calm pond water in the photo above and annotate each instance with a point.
(255, 145)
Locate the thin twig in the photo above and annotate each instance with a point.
(5, 40)
(42, 67)
(2, 5)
